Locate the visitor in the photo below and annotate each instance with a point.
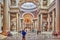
(23, 34)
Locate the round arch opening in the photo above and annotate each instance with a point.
(27, 17)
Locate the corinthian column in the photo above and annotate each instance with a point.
(58, 16)
(5, 18)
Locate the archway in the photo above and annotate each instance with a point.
(28, 21)
(28, 18)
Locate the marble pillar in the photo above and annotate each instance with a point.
(36, 24)
(58, 16)
(19, 27)
(17, 22)
(21, 24)
(41, 22)
(53, 19)
(48, 21)
(5, 18)
(8, 28)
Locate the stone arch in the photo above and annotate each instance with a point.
(28, 14)
(27, 17)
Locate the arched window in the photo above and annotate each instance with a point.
(13, 2)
